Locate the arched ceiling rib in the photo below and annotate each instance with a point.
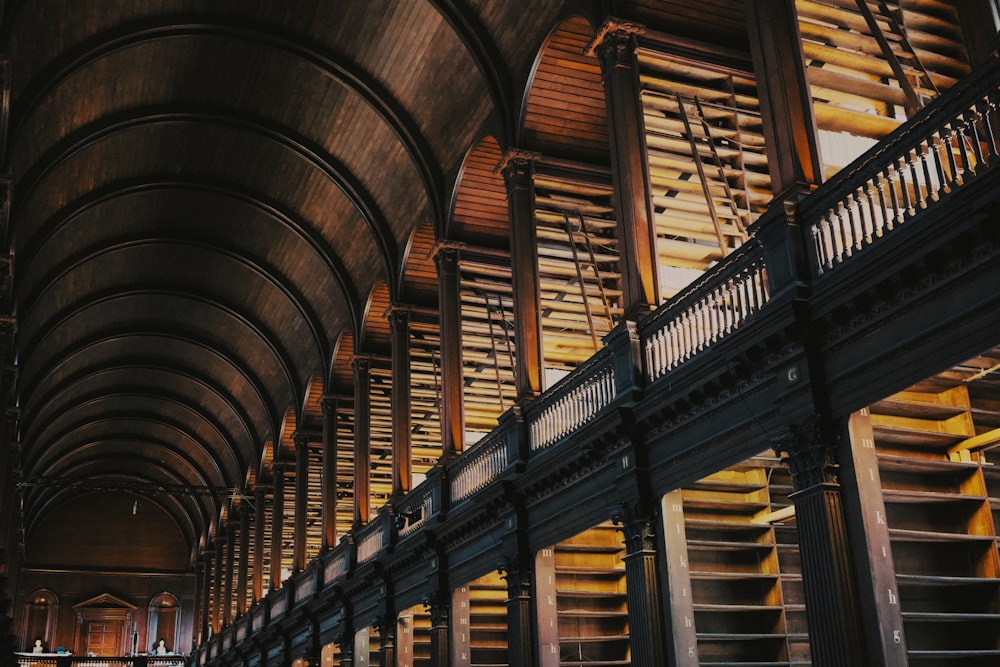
(192, 384)
(204, 199)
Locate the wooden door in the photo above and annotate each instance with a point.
(103, 637)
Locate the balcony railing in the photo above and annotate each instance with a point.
(945, 147)
(69, 660)
(573, 401)
(481, 465)
(710, 309)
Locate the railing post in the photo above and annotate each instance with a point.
(627, 360)
(784, 244)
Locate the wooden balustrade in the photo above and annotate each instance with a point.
(710, 309)
(372, 538)
(947, 145)
(336, 565)
(69, 660)
(417, 507)
(482, 464)
(573, 401)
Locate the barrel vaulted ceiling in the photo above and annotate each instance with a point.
(205, 195)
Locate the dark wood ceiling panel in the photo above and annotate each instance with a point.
(234, 384)
(420, 280)
(479, 212)
(565, 113)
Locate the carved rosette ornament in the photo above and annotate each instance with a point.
(809, 449)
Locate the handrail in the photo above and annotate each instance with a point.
(70, 660)
(945, 146)
(418, 506)
(710, 309)
(574, 401)
(372, 538)
(480, 465)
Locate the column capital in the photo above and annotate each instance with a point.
(614, 33)
(362, 362)
(810, 450)
(438, 605)
(516, 161)
(398, 315)
(636, 529)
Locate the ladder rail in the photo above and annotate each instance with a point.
(716, 223)
(597, 273)
(579, 278)
(721, 168)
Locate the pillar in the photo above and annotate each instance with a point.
(329, 404)
(643, 590)
(301, 501)
(387, 639)
(789, 124)
(218, 574)
(402, 466)
(615, 47)
(452, 382)
(259, 537)
(521, 625)
(517, 171)
(277, 512)
(832, 603)
(439, 606)
(229, 572)
(362, 431)
(244, 564)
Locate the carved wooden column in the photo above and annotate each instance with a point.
(218, 575)
(387, 638)
(832, 609)
(259, 537)
(615, 46)
(330, 405)
(277, 522)
(521, 624)
(346, 643)
(202, 572)
(229, 573)
(517, 171)
(301, 501)
(643, 590)
(439, 606)
(402, 465)
(452, 381)
(362, 431)
(789, 124)
(244, 564)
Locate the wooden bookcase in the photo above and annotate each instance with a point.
(735, 557)
(940, 498)
(591, 607)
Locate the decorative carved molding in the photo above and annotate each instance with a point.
(810, 450)
(636, 528)
(519, 584)
(516, 161)
(615, 34)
